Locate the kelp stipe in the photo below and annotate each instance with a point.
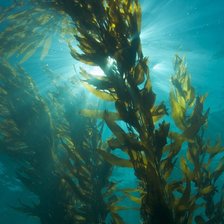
(61, 167)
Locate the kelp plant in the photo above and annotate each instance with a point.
(108, 35)
(25, 37)
(83, 168)
(24, 116)
(60, 167)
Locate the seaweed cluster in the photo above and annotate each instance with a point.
(61, 167)
(23, 38)
(108, 36)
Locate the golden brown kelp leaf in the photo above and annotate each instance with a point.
(158, 112)
(99, 93)
(133, 198)
(115, 160)
(215, 149)
(197, 119)
(117, 219)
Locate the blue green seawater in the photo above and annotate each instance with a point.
(190, 28)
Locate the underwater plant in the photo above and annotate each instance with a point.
(62, 162)
(83, 168)
(23, 38)
(24, 116)
(108, 36)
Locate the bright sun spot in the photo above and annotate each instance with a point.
(96, 71)
(110, 61)
(160, 67)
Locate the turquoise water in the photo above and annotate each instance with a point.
(194, 29)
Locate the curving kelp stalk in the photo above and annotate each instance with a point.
(108, 35)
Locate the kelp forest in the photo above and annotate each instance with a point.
(66, 157)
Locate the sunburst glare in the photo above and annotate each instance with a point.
(188, 29)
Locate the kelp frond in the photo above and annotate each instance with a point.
(27, 28)
(63, 162)
(183, 100)
(22, 109)
(26, 116)
(109, 38)
(82, 168)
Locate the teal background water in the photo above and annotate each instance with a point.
(190, 28)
